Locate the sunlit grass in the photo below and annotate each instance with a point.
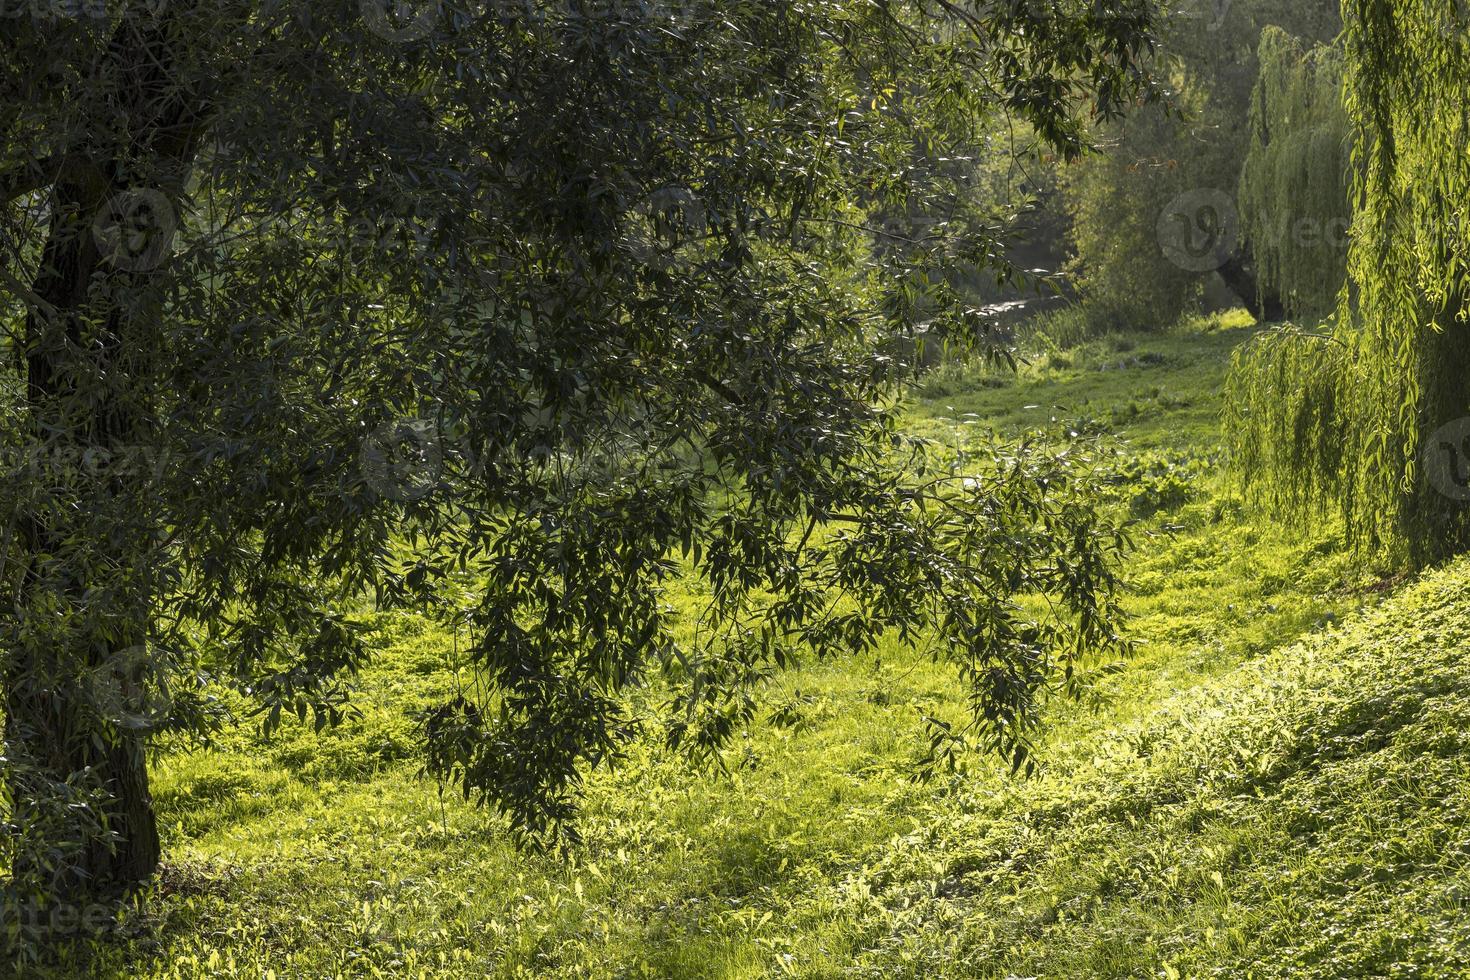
(1226, 802)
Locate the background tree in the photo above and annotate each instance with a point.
(1293, 198)
(514, 311)
(1208, 52)
(1368, 417)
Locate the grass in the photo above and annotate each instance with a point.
(1276, 785)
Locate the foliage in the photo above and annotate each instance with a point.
(1291, 818)
(1161, 482)
(1352, 419)
(1116, 198)
(514, 312)
(1286, 411)
(1294, 184)
(1234, 801)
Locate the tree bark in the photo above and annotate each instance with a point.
(1240, 276)
(51, 733)
(50, 722)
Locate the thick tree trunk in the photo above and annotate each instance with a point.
(52, 733)
(1240, 276)
(49, 717)
(124, 770)
(52, 720)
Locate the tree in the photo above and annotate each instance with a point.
(1294, 183)
(1167, 181)
(1366, 418)
(1114, 200)
(514, 312)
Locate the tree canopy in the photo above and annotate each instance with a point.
(512, 311)
(1168, 172)
(1293, 198)
(1368, 418)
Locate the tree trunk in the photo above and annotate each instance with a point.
(53, 734)
(52, 721)
(1240, 276)
(49, 718)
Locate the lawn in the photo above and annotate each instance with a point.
(1275, 785)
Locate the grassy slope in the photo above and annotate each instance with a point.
(1237, 802)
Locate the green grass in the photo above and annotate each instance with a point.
(1276, 785)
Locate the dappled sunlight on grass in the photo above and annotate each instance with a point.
(1263, 783)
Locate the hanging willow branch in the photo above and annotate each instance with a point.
(1346, 426)
(1294, 184)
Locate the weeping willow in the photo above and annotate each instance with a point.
(1341, 419)
(1294, 183)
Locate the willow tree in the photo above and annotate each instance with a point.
(1366, 417)
(512, 311)
(1156, 161)
(1293, 199)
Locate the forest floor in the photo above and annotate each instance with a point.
(1277, 784)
